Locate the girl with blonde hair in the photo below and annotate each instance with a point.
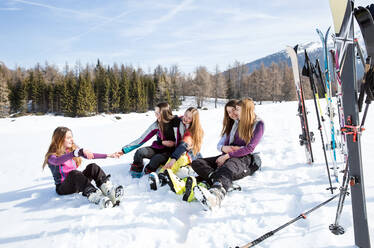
(63, 159)
(239, 162)
(185, 186)
(187, 150)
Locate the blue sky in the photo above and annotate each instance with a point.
(188, 33)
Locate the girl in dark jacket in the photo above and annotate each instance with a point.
(165, 127)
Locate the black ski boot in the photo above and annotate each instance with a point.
(256, 164)
(157, 180)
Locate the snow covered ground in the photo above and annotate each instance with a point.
(33, 215)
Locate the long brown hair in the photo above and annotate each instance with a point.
(166, 115)
(196, 130)
(57, 145)
(227, 121)
(247, 119)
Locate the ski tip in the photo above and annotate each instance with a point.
(295, 48)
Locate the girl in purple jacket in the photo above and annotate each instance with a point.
(64, 157)
(237, 161)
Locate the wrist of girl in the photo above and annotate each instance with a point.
(76, 152)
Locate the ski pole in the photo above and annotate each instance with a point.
(271, 233)
(336, 228)
(308, 71)
(359, 51)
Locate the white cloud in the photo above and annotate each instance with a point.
(95, 27)
(239, 15)
(9, 9)
(71, 11)
(148, 27)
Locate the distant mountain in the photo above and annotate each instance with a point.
(314, 50)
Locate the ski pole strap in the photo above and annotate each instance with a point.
(350, 129)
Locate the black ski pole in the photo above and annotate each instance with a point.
(368, 86)
(308, 71)
(363, 85)
(271, 233)
(320, 77)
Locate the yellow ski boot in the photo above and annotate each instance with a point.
(176, 184)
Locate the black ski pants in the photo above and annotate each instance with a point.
(233, 169)
(80, 181)
(157, 157)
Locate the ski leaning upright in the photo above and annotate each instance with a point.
(335, 62)
(342, 12)
(330, 108)
(322, 90)
(309, 71)
(306, 138)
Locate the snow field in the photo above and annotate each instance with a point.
(35, 216)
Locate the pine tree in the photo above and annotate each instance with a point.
(133, 91)
(40, 90)
(57, 96)
(102, 88)
(18, 91)
(49, 98)
(144, 98)
(124, 104)
(104, 94)
(150, 91)
(139, 93)
(86, 101)
(167, 96)
(69, 95)
(114, 96)
(175, 85)
(160, 82)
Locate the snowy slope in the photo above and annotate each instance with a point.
(33, 215)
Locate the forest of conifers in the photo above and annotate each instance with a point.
(91, 89)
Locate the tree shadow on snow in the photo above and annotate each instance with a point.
(20, 194)
(63, 231)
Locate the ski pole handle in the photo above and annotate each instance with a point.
(257, 241)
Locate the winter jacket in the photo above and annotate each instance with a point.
(221, 142)
(170, 133)
(61, 166)
(258, 131)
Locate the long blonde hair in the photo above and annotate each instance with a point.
(247, 119)
(57, 146)
(196, 130)
(166, 115)
(227, 121)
